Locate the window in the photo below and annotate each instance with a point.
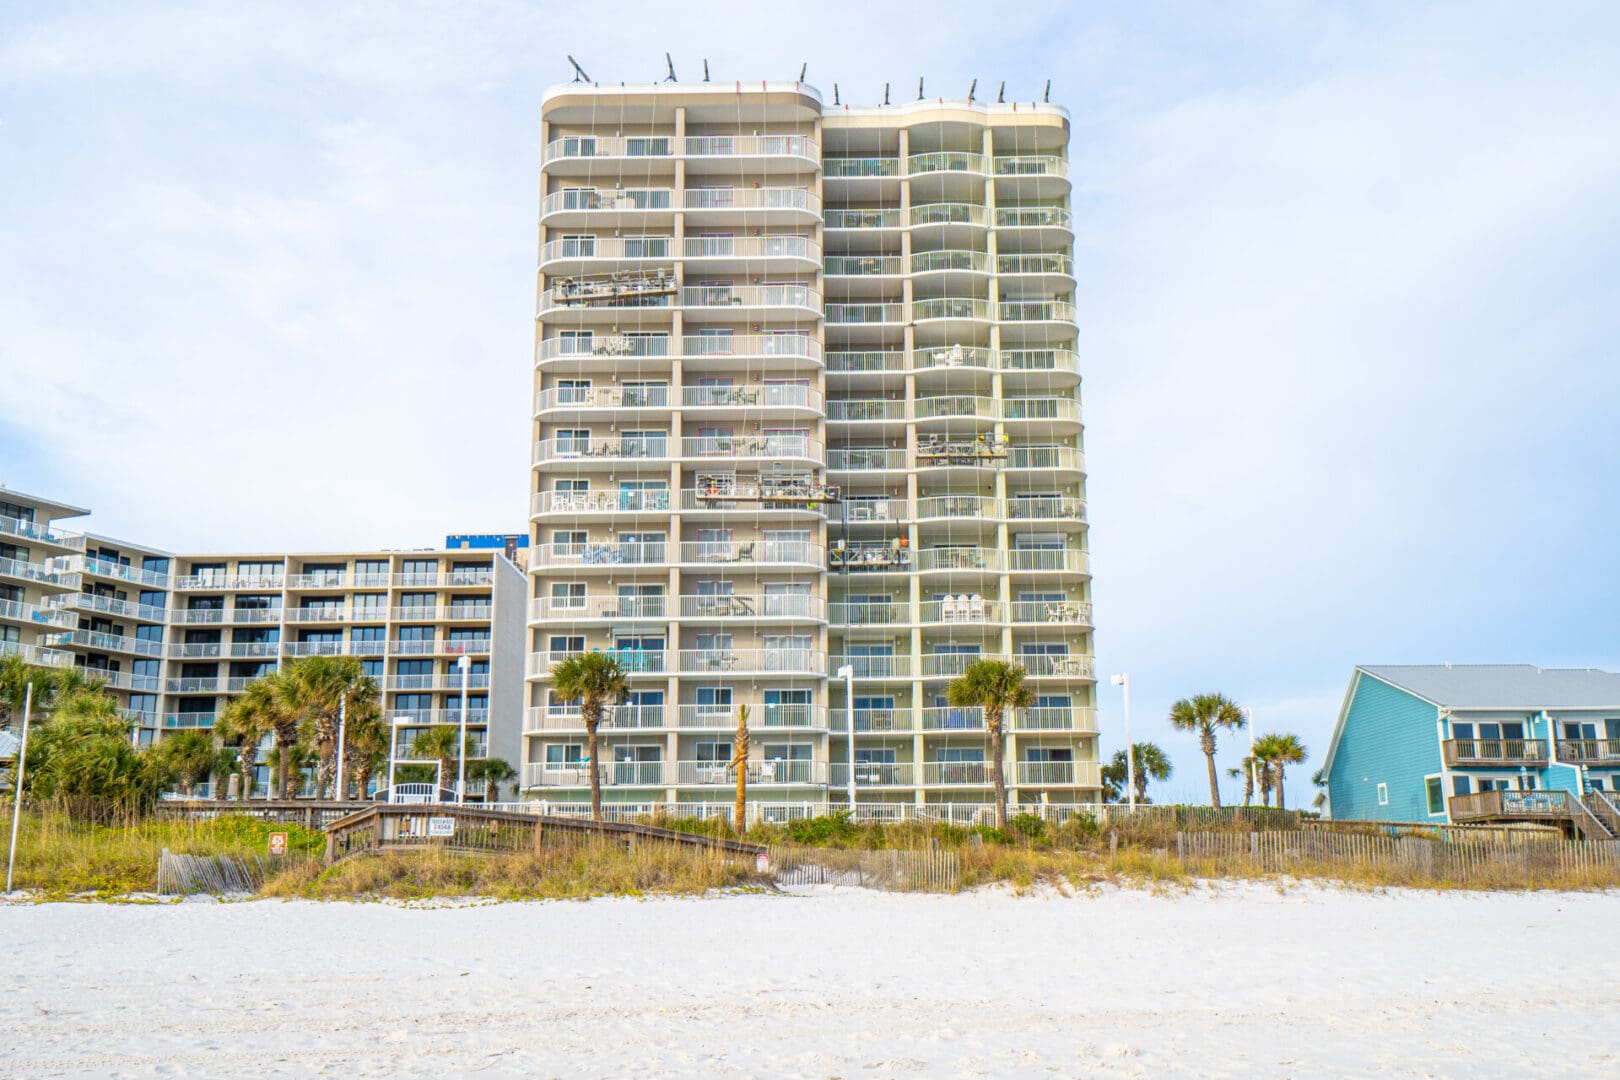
(1383, 794)
(1461, 785)
(567, 594)
(369, 602)
(567, 644)
(647, 146)
(1435, 794)
(714, 700)
(565, 755)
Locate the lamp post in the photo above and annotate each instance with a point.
(1123, 681)
(1254, 765)
(847, 673)
(464, 662)
(17, 783)
(339, 788)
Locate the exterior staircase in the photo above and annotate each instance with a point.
(1602, 808)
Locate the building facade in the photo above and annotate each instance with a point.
(174, 637)
(1467, 743)
(806, 402)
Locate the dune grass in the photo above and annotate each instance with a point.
(63, 856)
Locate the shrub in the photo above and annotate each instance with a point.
(1030, 825)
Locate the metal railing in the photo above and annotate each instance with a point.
(44, 534)
(750, 247)
(861, 458)
(856, 167)
(598, 607)
(853, 314)
(896, 666)
(608, 345)
(799, 661)
(614, 199)
(1035, 311)
(725, 296)
(1040, 408)
(796, 345)
(766, 606)
(633, 661)
(761, 198)
(752, 396)
(1040, 360)
(950, 214)
(953, 357)
(1069, 612)
(877, 217)
(1033, 217)
(1045, 457)
(636, 248)
(858, 409)
(17, 611)
(1045, 508)
(1032, 559)
(862, 265)
(875, 773)
(1037, 263)
(605, 553)
(777, 771)
(108, 605)
(955, 558)
(603, 397)
(1030, 165)
(749, 446)
(708, 146)
(869, 614)
(947, 161)
(547, 450)
(580, 502)
(927, 262)
(957, 405)
(950, 307)
(963, 609)
(864, 360)
(35, 655)
(752, 551)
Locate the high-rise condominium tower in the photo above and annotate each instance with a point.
(807, 400)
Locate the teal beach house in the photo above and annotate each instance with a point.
(1452, 744)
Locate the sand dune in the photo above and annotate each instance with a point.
(849, 983)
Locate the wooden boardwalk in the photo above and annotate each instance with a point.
(403, 827)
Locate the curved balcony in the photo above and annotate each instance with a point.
(871, 509)
(719, 351)
(954, 161)
(864, 613)
(1062, 463)
(970, 218)
(1033, 228)
(956, 309)
(751, 206)
(1041, 368)
(763, 401)
(789, 553)
(751, 254)
(760, 498)
(1057, 665)
(959, 560)
(959, 507)
(606, 206)
(582, 155)
(602, 352)
(1041, 613)
(1056, 415)
(1027, 311)
(1040, 560)
(985, 411)
(768, 607)
(755, 154)
(963, 610)
(605, 454)
(808, 663)
(751, 448)
(604, 554)
(879, 314)
(866, 362)
(564, 402)
(1045, 507)
(862, 410)
(1042, 265)
(598, 502)
(605, 254)
(604, 302)
(1030, 165)
(868, 558)
(954, 357)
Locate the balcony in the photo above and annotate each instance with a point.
(741, 299)
(599, 609)
(1057, 665)
(947, 213)
(600, 254)
(865, 459)
(247, 650)
(796, 346)
(864, 266)
(334, 581)
(950, 261)
(91, 639)
(949, 719)
(610, 348)
(1046, 459)
(584, 400)
(108, 569)
(609, 774)
(866, 410)
(1065, 361)
(858, 168)
(1043, 264)
(1074, 718)
(1589, 751)
(774, 661)
(592, 205)
(447, 646)
(873, 667)
(441, 681)
(43, 534)
(788, 398)
(863, 218)
(196, 650)
(450, 579)
(1057, 773)
(452, 715)
(600, 502)
(17, 611)
(764, 608)
(1496, 752)
(964, 610)
(868, 558)
(777, 771)
(192, 685)
(607, 452)
(605, 553)
(954, 507)
(956, 309)
(1553, 806)
(1068, 613)
(107, 605)
(1020, 311)
(878, 720)
(866, 314)
(1030, 560)
(859, 509)
(581, 154)
(33, 654)
(959, 560)
(188, 720)
(866, 361)
(21, 570)
(952, 357)
(958, 773)
(120, 680)
(780, 204)
(633, 661)
(958, 407)
(947, 161)
(795, 151)
(752, 254)
(328, 615)
(874, 774)
(543, 718)
(753, 552)
(869, 614)
(1030, 165)
(222, 582)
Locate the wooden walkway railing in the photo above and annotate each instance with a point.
(1468, 861)
(394, 827)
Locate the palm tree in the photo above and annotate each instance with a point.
(1204, 713)
(1113, 778)
(52, 686)
(317, 690)
(595, 679)
(439, 743)
(1280, 751)
(1245, 772)
(224, 765)
(739, 762)
(83, 752)
(994, 686)
(365, 738)
(190, 754)
(493, 772)
(256, 712)
(1266, 766)
(1151, 763)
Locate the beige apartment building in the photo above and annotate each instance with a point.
(807, 439)
(174, 637)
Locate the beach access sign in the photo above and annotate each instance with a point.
(441, 826)
(278, 844)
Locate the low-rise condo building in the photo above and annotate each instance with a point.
(1474, 743)
(174, 637)
(807, 402)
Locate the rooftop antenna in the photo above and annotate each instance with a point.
(835, 93)
(705, 71)
(1001, 94)
(919, 88)
(804, 67)
(885, 93)
(1047, 96)
(972, 87)
(579, 72)
(671, 65)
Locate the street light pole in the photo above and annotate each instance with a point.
(17, 783)
(1123, 681)
(1254, 776)
(465, 664)
(339, 788)
(847, 673)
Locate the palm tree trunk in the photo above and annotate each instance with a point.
(992, 721)
(1208, 741)
(284, 769)
(592, 713)
(1279, 785)
(740, 762)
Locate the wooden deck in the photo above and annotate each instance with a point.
(385, 827)
(1549, 807)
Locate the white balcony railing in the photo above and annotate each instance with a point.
(766, 606)
(699, 199)
(601, 501)
(605, 553)
(610, 450)
(752, 396)
(796, 661)
(768, 552)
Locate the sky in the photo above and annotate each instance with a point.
(1347, 279)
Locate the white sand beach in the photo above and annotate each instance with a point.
(1248, 982)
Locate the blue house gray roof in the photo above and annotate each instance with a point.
(1503, 686)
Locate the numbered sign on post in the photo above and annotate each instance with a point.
(442, 826)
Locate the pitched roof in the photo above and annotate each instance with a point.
(1503, 686)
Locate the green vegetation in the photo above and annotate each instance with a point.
(595, 680)
(994, 686)
(1205, 714)
(1151, 762)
